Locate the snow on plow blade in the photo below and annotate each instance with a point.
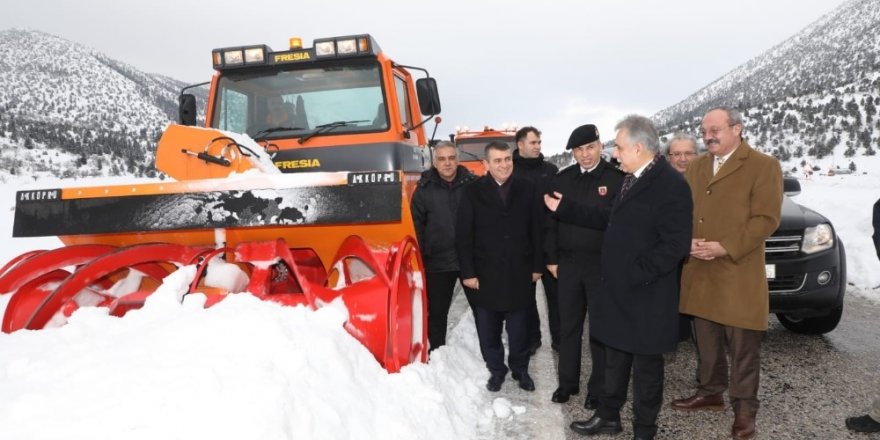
(278, 231)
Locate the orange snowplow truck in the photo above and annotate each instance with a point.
(471, 145)
(299, 183)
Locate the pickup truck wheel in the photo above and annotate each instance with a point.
(816, 325)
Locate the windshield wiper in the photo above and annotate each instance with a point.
(326, 128)
(470, 154)
(265, 131)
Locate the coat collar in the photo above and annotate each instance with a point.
(490, 189)
(733, 163)
(462, 176)
(644, 181)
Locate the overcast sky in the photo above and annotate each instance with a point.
(552, 64)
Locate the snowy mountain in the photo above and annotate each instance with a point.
(815, 94)
(64, 104)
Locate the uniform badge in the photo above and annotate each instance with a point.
(603, 190)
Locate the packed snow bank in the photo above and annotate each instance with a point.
(241, 369)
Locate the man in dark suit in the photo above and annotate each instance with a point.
(634, 313)
(498, 240)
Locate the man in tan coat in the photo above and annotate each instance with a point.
(737, 194)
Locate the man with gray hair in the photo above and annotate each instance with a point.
(434, 209)
(681, 150)
(737, 195)
(634, 311)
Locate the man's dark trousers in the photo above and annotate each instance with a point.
(647, 375)
(578, 273)
(489, 326)
(551, 293)
(441, 286)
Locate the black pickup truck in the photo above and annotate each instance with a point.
(806, 268)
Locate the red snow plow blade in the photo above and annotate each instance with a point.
(115, 263)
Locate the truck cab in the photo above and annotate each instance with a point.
(471, 145)
(342, 92)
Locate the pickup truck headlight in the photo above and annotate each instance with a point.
(817, 238)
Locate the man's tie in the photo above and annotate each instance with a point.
(627, 184)
(718, 162)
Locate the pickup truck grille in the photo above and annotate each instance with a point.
(783, 245)
(783, 284)
(779, 246)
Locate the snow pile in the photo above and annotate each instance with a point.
(241, 369)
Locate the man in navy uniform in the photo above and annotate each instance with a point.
(573, 254)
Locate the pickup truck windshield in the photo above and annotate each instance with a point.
(294, 103)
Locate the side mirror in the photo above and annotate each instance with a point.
(187, 109)
(429, 97)
(791, 186)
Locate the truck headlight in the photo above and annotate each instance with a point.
(817, 238)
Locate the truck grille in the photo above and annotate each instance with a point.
(786, 283)
(783, 245)
(779, 246)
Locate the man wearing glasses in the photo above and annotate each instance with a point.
(681, 151)
(737, 194)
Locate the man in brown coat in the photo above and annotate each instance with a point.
(737, 194)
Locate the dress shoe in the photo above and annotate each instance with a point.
(591, 403)
(641, 437)
(743, 426)
(525, 381)
(863, 424)
(715, 402)
(534, 346)
(494, 383)
(561, 395)
(596, 425)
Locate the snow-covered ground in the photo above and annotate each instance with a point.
(241, 369)
(250, 369)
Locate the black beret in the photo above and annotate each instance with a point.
(582, 135)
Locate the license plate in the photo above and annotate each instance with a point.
(771, 271)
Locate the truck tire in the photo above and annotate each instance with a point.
(815, 325)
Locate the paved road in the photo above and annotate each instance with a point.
(809, 385)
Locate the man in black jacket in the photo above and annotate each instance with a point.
(529, 163)
(870, 422)
(573, 254)
(434, 209)
(634, 313)
(498, 239)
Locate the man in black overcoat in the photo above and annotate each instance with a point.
(634, 313)
(498, 240)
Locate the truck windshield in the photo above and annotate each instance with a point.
(475, 148)
(288, 103)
